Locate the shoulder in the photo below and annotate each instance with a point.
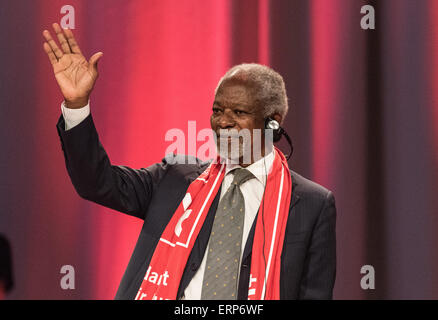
(314, 202)
(183, 165)
(173, 170)
(183, 159)
(307, 189)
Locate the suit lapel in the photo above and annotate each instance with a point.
(248, 246)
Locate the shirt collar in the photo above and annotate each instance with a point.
(257, 168)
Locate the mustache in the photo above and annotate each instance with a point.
(226, 134)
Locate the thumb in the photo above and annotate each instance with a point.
(94, 60)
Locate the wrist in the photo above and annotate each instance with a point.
(77, 103)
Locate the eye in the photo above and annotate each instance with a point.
(239, 112)
(216, 110)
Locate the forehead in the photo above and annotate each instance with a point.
(231, 94)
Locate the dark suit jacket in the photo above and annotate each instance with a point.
(308, 262)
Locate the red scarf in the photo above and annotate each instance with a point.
(167, 265)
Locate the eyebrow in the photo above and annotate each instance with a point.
(215, 102)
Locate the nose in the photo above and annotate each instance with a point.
(226, 120)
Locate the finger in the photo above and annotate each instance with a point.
(62, 40)
(52, 44)
(72, 41)
(50, 53)
(94, 60)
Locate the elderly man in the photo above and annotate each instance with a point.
(226, 229)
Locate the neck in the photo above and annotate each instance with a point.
(263, 153)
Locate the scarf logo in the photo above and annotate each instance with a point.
(252, 289)
(178, 227)
(154, 278)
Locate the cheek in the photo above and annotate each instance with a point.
(249, 123)
(252, 125)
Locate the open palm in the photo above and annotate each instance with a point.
(75, 75)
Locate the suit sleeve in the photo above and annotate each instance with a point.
(320, 265)
(94, 178)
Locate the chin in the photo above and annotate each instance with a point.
(235, 155)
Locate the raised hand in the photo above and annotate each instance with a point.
(75, 75)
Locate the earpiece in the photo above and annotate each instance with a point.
(275, 127)
(278, 131)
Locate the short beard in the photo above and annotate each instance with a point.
(240, 147)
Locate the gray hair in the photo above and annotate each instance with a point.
(269, 89)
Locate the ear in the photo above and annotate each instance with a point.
(277, 117)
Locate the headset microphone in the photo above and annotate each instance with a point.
(278, 131)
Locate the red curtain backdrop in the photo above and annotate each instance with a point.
(363, 118)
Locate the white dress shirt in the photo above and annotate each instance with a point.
(252, 191)
(72, 117)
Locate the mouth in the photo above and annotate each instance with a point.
(229, 140)
(227, 135)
